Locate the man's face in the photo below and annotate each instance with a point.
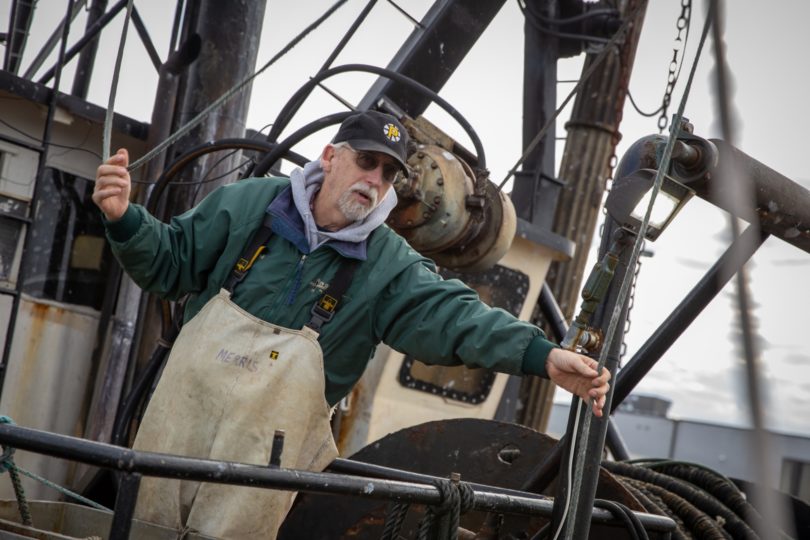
(355, 182)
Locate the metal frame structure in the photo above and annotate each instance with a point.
(135, 464)
(415, 60)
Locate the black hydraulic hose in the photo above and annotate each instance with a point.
(206, 148)
(696, 522)
(284, 116)
(693, 494)
(620, 512)
(713, 483)
(283, 147)
(653, 505)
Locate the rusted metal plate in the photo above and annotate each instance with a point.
(482, 451)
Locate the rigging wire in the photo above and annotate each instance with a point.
(638, 109)
(406, 14)
(108, 117)
(625, 285)
(585, 76)
(188, 126)
(50, 143)
(284, 115)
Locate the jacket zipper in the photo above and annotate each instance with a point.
(296, 282)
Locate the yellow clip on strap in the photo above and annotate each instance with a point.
(328, 303)
(243, 265)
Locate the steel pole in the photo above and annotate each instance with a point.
(585, 473)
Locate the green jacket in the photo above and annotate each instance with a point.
(395, 296)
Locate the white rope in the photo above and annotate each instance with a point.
(108, 117)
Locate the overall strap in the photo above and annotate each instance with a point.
(324, 309)
(257, 245)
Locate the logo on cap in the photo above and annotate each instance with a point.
(391, 132)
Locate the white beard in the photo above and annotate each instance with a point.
(354, 210)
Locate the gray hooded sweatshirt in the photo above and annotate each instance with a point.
(307, 182)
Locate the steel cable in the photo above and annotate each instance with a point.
(108, 116)
(188, 126)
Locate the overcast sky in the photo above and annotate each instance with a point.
(702, 373)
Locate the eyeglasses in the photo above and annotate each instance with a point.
(369, 161)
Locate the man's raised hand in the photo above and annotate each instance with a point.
(113, 185)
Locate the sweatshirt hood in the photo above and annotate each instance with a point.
(306, 183)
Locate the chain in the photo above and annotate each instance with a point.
(631, 300)
(682, 25)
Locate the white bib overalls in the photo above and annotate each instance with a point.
(232, 380)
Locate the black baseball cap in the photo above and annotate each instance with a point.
(374, 131)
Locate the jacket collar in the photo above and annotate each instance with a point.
(288, 224)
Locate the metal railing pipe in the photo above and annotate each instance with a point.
(223, 472)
